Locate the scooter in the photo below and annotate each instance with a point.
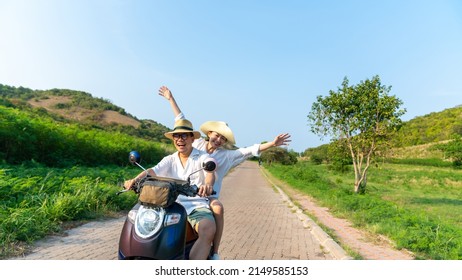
(157, 226)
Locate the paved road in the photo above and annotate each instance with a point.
(260, 223)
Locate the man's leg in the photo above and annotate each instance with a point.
(205, 227)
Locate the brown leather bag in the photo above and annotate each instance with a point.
(157, 193)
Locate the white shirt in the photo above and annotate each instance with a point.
(171, 167)
(226, 159)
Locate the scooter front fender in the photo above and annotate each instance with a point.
(167, 244)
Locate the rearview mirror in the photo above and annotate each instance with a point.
(134, 157)
(210, 165)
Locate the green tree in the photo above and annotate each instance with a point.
(453, 150)
(280, 155)
(317, 155)
(361, 117)
(339, 156)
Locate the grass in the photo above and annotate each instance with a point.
(435, 191)
(418, 207)
(36, 201)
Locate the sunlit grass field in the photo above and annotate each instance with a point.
(36, 201)
(417, 207)
(435, 191)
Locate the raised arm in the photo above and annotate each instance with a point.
(280, 140)
(167, 94)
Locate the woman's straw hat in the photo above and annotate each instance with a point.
(219, 127)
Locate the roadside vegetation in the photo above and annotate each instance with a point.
(418, 207)
(27, 136)
(36, 201)
(414, 199)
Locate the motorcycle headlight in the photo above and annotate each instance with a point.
(132, 216)
(148, 221)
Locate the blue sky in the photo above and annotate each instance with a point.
(257, 65)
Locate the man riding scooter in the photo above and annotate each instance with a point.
(180, 165)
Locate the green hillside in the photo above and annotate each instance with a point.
(70, 106)
(65, 127)
(431, 128)
(419, 138)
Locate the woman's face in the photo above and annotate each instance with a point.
(216, 140)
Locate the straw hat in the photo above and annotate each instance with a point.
(219, 127)
(182, 126)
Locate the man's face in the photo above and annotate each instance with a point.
(183, 142)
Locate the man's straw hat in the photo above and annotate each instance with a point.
(182, 126)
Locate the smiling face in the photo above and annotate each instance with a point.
(183, 142)
(216, 140)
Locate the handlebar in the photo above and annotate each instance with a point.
(182, 187)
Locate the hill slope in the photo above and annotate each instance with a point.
(417, 137)
(80, 107)
(431, 128)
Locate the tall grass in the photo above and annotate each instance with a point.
(36, 201)
(419, 208)
(420, 161)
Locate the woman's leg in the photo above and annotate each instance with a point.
(218, 213)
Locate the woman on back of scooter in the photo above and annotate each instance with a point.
(219, 136)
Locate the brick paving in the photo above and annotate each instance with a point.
(259, 225)
(96, 240)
